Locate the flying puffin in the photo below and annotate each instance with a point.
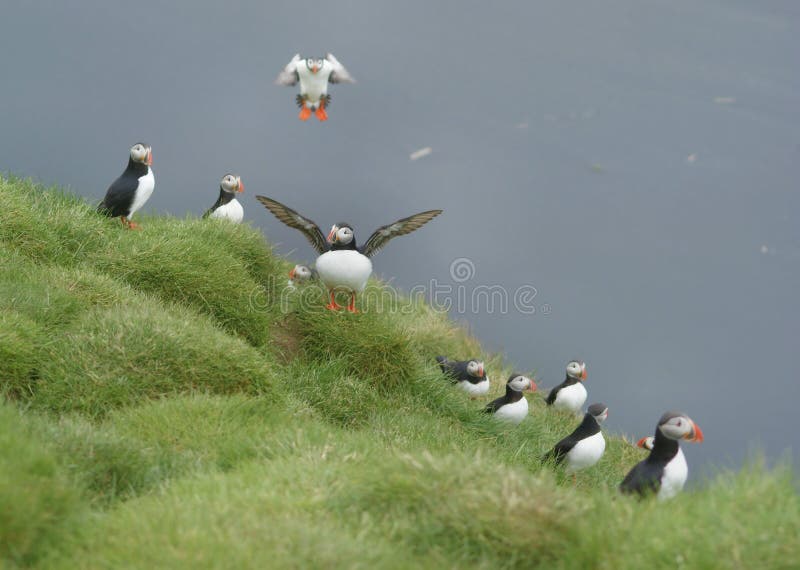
(646, 443)
(513, 406)
(570, 394)
(342, 265)
(128, 193)
(314, 74)
(664, 471)
(300, 274)
(585, 446)
(468, 374)
(227, 207)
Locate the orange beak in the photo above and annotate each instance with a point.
(240, 189)
(149, 160)
(532, 386)
(696, 435)
(583, 373)
(291, 273)
(480, 371)
(640, 443)
(332, 235)
(314, 69)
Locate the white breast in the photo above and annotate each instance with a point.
(674, 478)
(344, 269)
(143, 192)
(313, 85)
(586, 452)
(478, 389)
(514, 412)
(571, 398)
(232, 211)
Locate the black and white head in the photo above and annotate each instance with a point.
(314, 64)
(475, 368)
(341, 234)
(232, 184)
(142, 153)
(300, 273)
(599, 412)
(646, 443)
(520, 382)
(675, 425)
(576, 369)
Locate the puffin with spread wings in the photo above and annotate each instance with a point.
(342, 265)
(314, 75)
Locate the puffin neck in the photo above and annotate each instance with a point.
(569, 380)
(343, 246)
(587, 427)
(137, 168)
(224, 197)
(664, 448)
(513, 395)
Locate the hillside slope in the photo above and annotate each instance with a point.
(166, 403)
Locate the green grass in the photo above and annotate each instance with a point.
(164, 406)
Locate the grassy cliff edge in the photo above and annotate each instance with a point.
(165, 403)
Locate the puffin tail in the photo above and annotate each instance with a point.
(442, 361)
(102, 208)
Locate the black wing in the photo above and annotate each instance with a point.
(493, 406)
(119, 196)
(383, 234)
(216, 205)
(551, 396)
(294, 220)
(644, 478)
(339, 74)
(448, 368)
(559, 452)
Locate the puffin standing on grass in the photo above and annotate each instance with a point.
(314, 74)
(227, 207)
(570, 394)
(342, 265)
(513, 406)
(664, 471)
(128, 193)
(585, 446)
(469, 375)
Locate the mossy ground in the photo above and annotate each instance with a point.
(166, 405)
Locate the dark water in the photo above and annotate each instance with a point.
(634, 162)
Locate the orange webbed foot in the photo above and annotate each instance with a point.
(333, 305)
(305, 113)
(133, 226)
(322, 115)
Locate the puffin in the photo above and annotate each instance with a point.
(300, 274)
(570, 394)
(227, 207)
(469, 375)
(128, 193)
(646, 443)
(585, 445)
(513, 406)
(314, 74)
(664, 471)
(342, 265)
